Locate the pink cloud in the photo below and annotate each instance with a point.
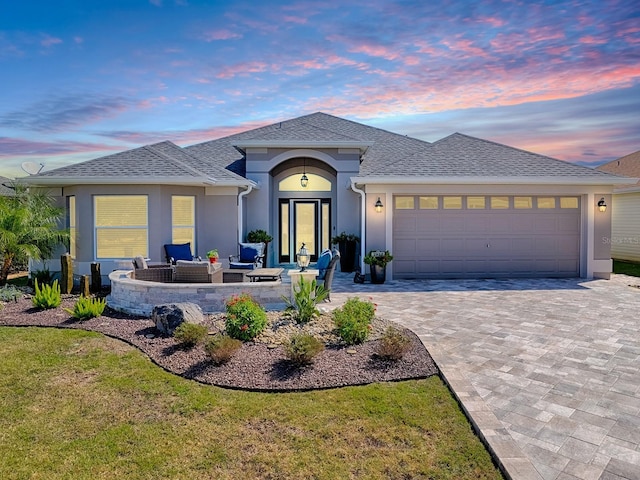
(375, 51)
(591, 40)
(241, 69)
(222, 34)
(293, 19)
(18, 147)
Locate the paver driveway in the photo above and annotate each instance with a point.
(548, 370)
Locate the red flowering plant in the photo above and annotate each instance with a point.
(245, 317)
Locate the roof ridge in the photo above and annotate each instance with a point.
(175, 160)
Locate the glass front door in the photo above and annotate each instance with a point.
(304, 221)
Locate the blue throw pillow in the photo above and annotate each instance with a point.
(248, 254)
(178, 251)
(323, 263)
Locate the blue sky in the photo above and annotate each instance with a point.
(80, 78)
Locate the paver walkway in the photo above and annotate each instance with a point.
(547, 370)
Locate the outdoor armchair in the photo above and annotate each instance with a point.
(251, 256)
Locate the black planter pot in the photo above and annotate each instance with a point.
(347, 255)
(378, 273)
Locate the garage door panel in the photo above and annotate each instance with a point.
(405, 224)
(522, 246)
(521, 224)
(452, 247)
(477, 224)
(404, 267)
(452, 267)
(476, 266)
(486, 242)
(452, 224)
(546, 223)
(498, 224)
(569, 224)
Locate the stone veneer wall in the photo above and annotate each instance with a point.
(138, 297)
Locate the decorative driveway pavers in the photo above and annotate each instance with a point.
(547, 370)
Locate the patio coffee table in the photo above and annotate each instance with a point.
(269, 274)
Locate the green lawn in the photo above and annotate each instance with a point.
(75, 404)
(627, 268)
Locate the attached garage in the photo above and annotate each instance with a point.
(457, 236)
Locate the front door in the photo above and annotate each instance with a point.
(304, 221)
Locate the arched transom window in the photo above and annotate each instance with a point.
(316, 184)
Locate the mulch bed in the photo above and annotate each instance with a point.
(255, 366)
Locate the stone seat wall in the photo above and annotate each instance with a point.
(138, 297)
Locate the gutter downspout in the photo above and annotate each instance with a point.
(240, 211)
(363, 232)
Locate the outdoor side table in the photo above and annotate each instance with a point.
(268, 274)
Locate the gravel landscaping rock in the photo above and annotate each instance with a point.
(259, 365)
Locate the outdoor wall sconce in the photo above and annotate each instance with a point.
(379, 205)
(304, 180)
(303, 258)
(602, 205)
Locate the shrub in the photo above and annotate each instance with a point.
(190, 334)
(245, 317)
(221, 348)
(302, 348)
(42, 276)
(306, 295)
(87, 307)
(48, 296)
(393, 344)
(353, 320)
(9, 293)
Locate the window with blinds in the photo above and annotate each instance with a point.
(121, 226)
(71, 224)
(183, 220)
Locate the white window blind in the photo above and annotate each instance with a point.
(121, 226)
(183, 220)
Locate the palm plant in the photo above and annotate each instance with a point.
(29, 227)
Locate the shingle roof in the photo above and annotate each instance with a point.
(6, 191)
(385, 146)
(388, 155)
(160, 161)
(628, 166)
(461, 155)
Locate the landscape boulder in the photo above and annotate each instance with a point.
(168, 316)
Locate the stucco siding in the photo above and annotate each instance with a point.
(625, 231)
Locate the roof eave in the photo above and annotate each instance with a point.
(474, 180)
(181, 181)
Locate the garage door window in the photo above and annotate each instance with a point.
(522, 202)
(568, 202)
(546, 202)
(475, 203)
(405, 203)
(428, 203)
(499, 203)
(452, 203)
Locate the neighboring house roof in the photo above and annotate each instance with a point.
(4, 190)
(160, 163)
(629, 166)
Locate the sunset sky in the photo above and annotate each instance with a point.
(82, 78)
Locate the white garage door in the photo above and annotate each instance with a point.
(486, 236)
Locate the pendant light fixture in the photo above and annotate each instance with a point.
(304, 180)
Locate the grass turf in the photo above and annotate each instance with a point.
(626, 268)
(79, 405)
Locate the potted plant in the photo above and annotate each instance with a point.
(377, 261)
(213, 255)
(260, 236)
(347, 243)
